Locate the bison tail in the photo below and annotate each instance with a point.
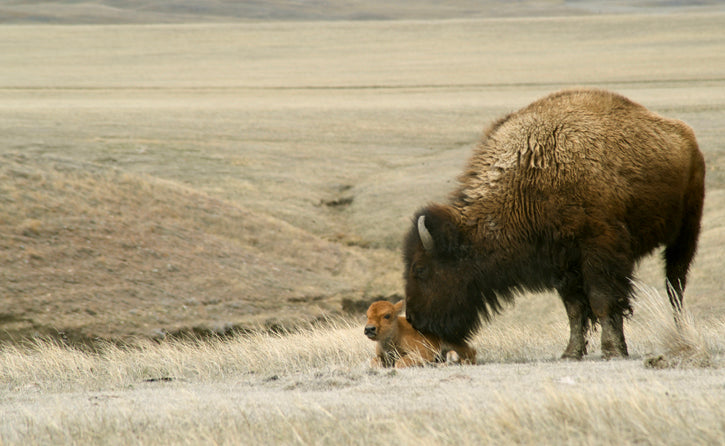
(678, 254)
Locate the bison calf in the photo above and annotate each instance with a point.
(400, 345)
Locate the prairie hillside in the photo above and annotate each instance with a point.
(204, 177)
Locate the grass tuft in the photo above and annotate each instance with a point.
(681, 341)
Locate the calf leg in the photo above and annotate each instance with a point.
(417, 353)
(409, 361)
(384, 356)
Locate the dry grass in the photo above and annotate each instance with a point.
(266, 172)
(51, 366)
(579, 418)
(313, 386)
(681, 340)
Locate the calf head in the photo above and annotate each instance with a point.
(382, 320)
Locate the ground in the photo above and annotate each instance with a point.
(165, 170)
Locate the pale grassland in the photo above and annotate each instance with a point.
(158, 176)
(314, 386)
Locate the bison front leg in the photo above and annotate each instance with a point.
(578, 323)
(579, 313)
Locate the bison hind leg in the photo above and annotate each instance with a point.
(606, 276)
(610, 304)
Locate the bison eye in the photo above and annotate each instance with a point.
(419, 271)
(387, 316)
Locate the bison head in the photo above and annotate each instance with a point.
(445, 290)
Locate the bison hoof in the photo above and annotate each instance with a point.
(452, 357)
(572, 356)
(614, 353)
(613, 350)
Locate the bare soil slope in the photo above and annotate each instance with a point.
(95, 252)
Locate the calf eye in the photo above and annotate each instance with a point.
(387, 316)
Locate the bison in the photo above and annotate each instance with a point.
(565, 194)
(399, 345)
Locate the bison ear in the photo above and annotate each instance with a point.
(398, 306)
(439, 232)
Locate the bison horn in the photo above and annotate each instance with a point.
(425, 236)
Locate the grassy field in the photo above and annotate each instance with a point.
(206, 178)
(314, 386)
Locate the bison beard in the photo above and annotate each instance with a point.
(566, 194)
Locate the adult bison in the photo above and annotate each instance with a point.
(567, 194)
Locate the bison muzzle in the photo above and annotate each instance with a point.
(566, 194)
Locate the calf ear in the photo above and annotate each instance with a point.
(441, 223)
(398, 306)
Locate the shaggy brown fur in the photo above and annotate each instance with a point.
(567, 194)
(400, 345)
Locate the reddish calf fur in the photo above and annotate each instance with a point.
(400, 345)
